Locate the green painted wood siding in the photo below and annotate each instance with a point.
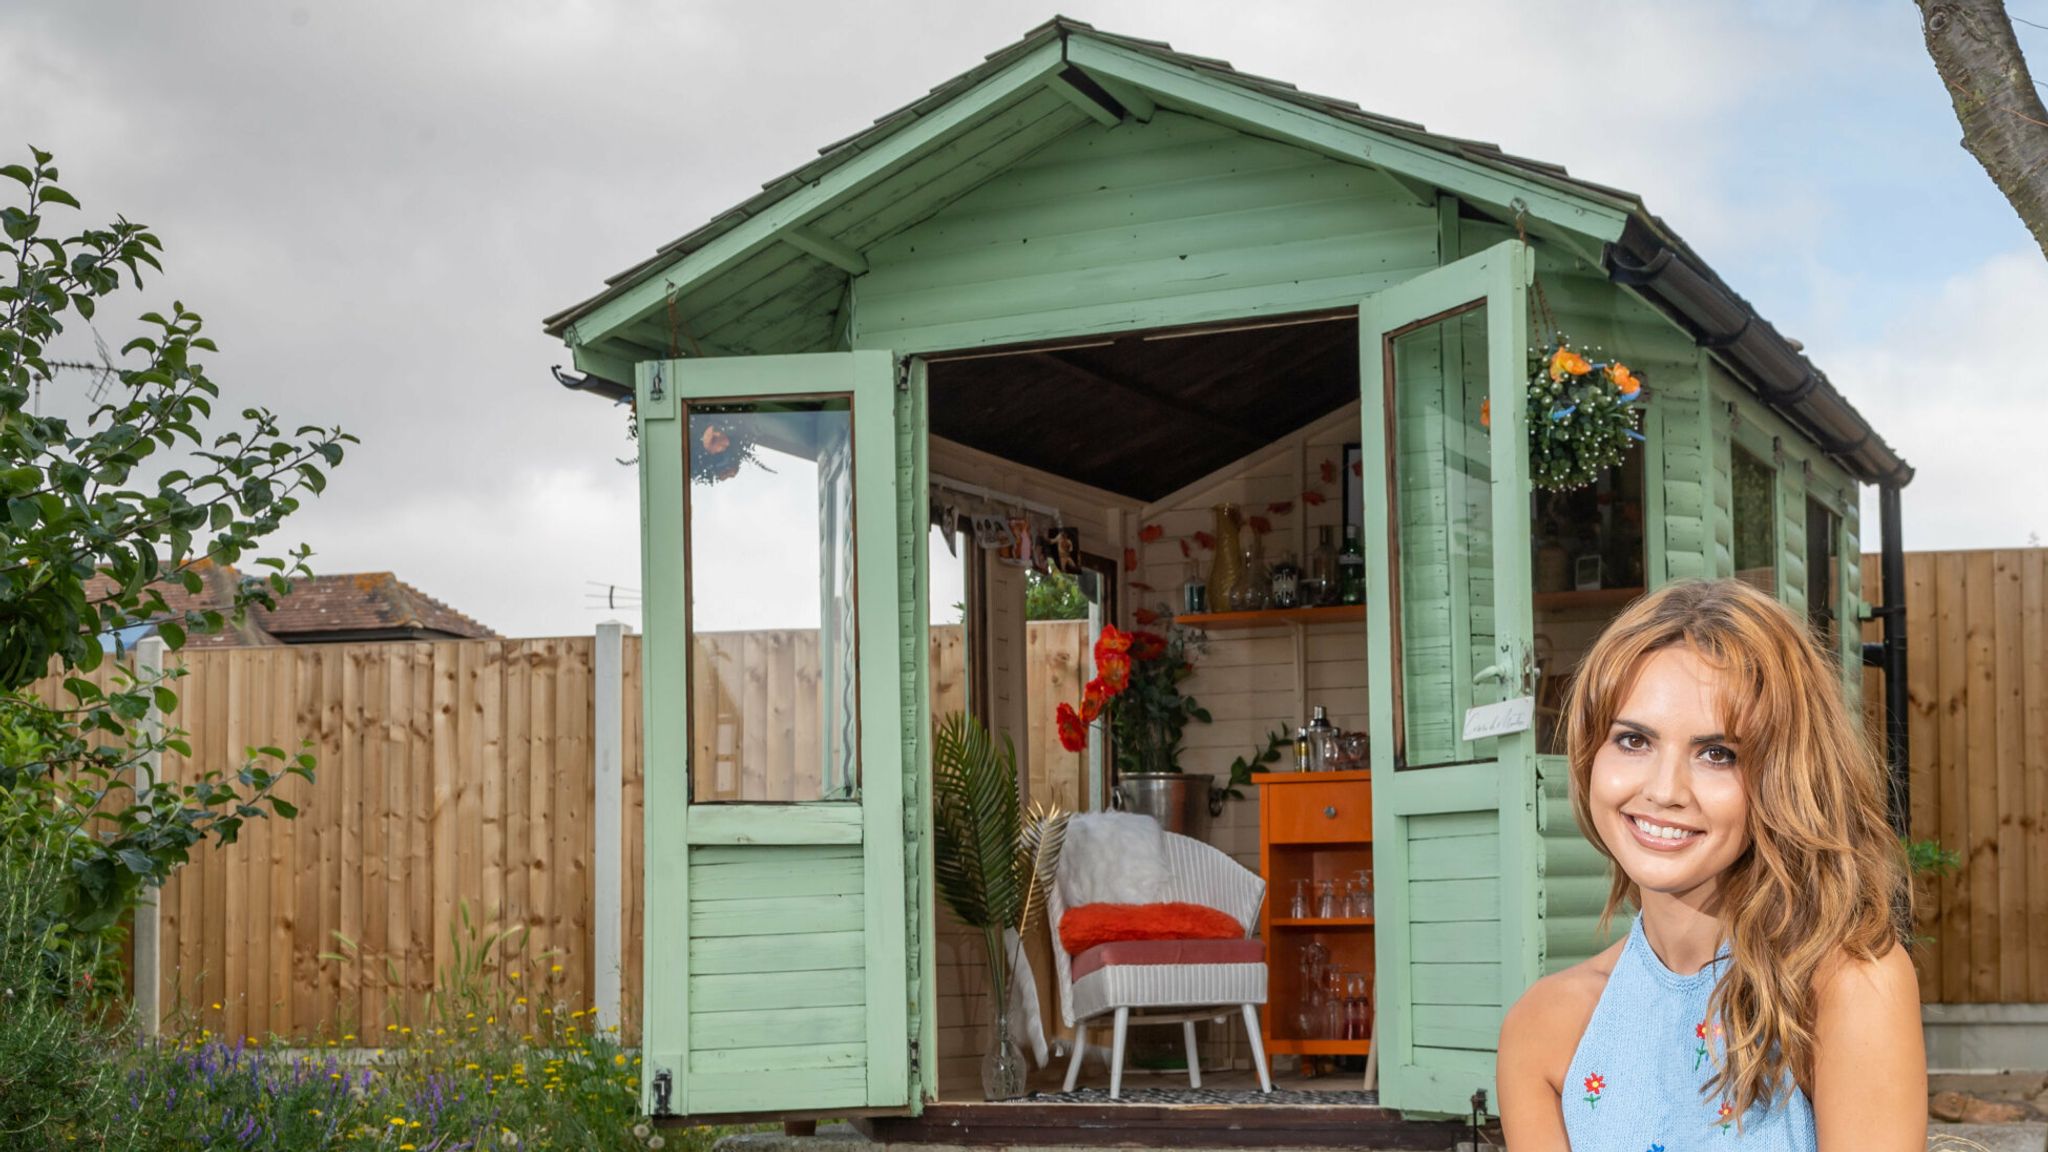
(778, 977)
(1574, 874)
(1174, 221)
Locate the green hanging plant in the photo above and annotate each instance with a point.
(1583, 414)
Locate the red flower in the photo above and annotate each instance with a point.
(1596, 1083)
(1358, 466)
(1205, 540)
(1094, 697)
(1312, 497)
(1150, 532)
(1184, 548)
(1329, 470)
(1130, 559)
(1139, 586)
(1147, 645)
(1145, 616)
(1113, 639)
(1700, 1030)
(1073, 729)
(1280, 507)
(1261, 525)
(1114, 670)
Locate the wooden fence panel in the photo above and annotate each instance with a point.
(1977, 687)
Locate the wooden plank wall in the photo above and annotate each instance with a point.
(1977, 650)
(449, 773)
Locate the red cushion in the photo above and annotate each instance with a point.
(1091, 924)
(1238, 951)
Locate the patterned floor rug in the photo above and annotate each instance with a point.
(1155, 1096)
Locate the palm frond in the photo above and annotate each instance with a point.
(975, 823)
(1038, 858)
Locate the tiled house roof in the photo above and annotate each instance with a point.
(323, 609)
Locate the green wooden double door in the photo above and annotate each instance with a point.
(789, 930)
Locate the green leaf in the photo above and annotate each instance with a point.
(17, 172)
(136, 862)
(284, 808)
(51, 194)
(173, 634)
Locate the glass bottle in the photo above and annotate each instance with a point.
(1320, 583)
(1250, 593)
(1320, 737)
(1351, 568)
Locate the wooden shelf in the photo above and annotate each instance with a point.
(1318, 777)
(1316, 922)
(1592, 598)
(1272, 617)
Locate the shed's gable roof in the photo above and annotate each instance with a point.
(771, 274)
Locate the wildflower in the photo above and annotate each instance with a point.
(406, 1147)
(396, 1121)
(216, 1005)
(555, 968)
(391, 1027)
(350, 1036)
(313, 1112)
(642, 1131)
(619, 1060)
(513, 974)
(655, 1141)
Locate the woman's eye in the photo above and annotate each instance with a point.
(1631, 742)
(1718, 755)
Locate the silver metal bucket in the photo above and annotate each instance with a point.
(1178, 800)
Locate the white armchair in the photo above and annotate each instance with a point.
(1169, 981)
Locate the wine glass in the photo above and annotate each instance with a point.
(1357, 1006)
(1326, 900)
(1362, 881)
(1297, 905)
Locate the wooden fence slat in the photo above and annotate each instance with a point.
(1980, 735)
(2006, 706)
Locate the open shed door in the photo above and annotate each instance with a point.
(779, 948)
(1445, 358)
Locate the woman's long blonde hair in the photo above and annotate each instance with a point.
(1824, 872)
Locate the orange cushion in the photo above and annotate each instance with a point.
(1117, 952)
(1091, 924)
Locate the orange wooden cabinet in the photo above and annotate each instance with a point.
(1315, 828)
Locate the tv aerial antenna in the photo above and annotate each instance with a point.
(104, 373)
(604, 597)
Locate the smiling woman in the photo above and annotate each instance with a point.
(1741, 811)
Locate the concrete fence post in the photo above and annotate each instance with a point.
(146, 971)
(608, 842)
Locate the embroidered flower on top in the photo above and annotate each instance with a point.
(1700, 1055)
(1726, 1116)
(1595, 1084)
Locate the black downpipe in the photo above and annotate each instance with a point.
(1890, 654)
(1893, 564)
(611, 390)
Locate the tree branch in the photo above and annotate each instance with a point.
(2004, 125)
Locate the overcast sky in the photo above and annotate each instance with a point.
(374, 204)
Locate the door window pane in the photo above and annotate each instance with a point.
(1824, 574)
(1756, 520)
(1443, 526)
(768, 516)
(1587, 565)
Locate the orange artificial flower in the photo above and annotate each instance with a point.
(1624, 379)
(1567, 362)
(1114, 670)
(1150, 532)
(1113, 639)
(1094, 697)
(1147, 645)
(1073, 730)
(1486, 412)
(716, 441)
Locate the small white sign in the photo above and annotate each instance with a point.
(1500, 719)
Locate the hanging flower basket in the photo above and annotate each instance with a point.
(1583, 414)
(722, 443)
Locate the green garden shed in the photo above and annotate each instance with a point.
(1068, 303)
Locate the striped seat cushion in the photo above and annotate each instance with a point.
(1119, 952)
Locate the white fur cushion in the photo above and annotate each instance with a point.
(1113, 858)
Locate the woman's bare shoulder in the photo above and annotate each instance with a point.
(1545, 1025)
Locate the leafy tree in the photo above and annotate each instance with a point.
(1053, 596)
(97, 519)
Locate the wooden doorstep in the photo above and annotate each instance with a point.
(1164, 1126)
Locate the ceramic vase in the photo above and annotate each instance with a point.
(1228, 566)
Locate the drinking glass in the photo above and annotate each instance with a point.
(1362, 880)
(1297, 905)
(1357, 1007)
(1326, 900)
(1333, 1004)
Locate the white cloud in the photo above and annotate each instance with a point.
(1958, 383)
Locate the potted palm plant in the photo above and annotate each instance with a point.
(994, 863)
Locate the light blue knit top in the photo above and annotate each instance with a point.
(1634, 1083)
